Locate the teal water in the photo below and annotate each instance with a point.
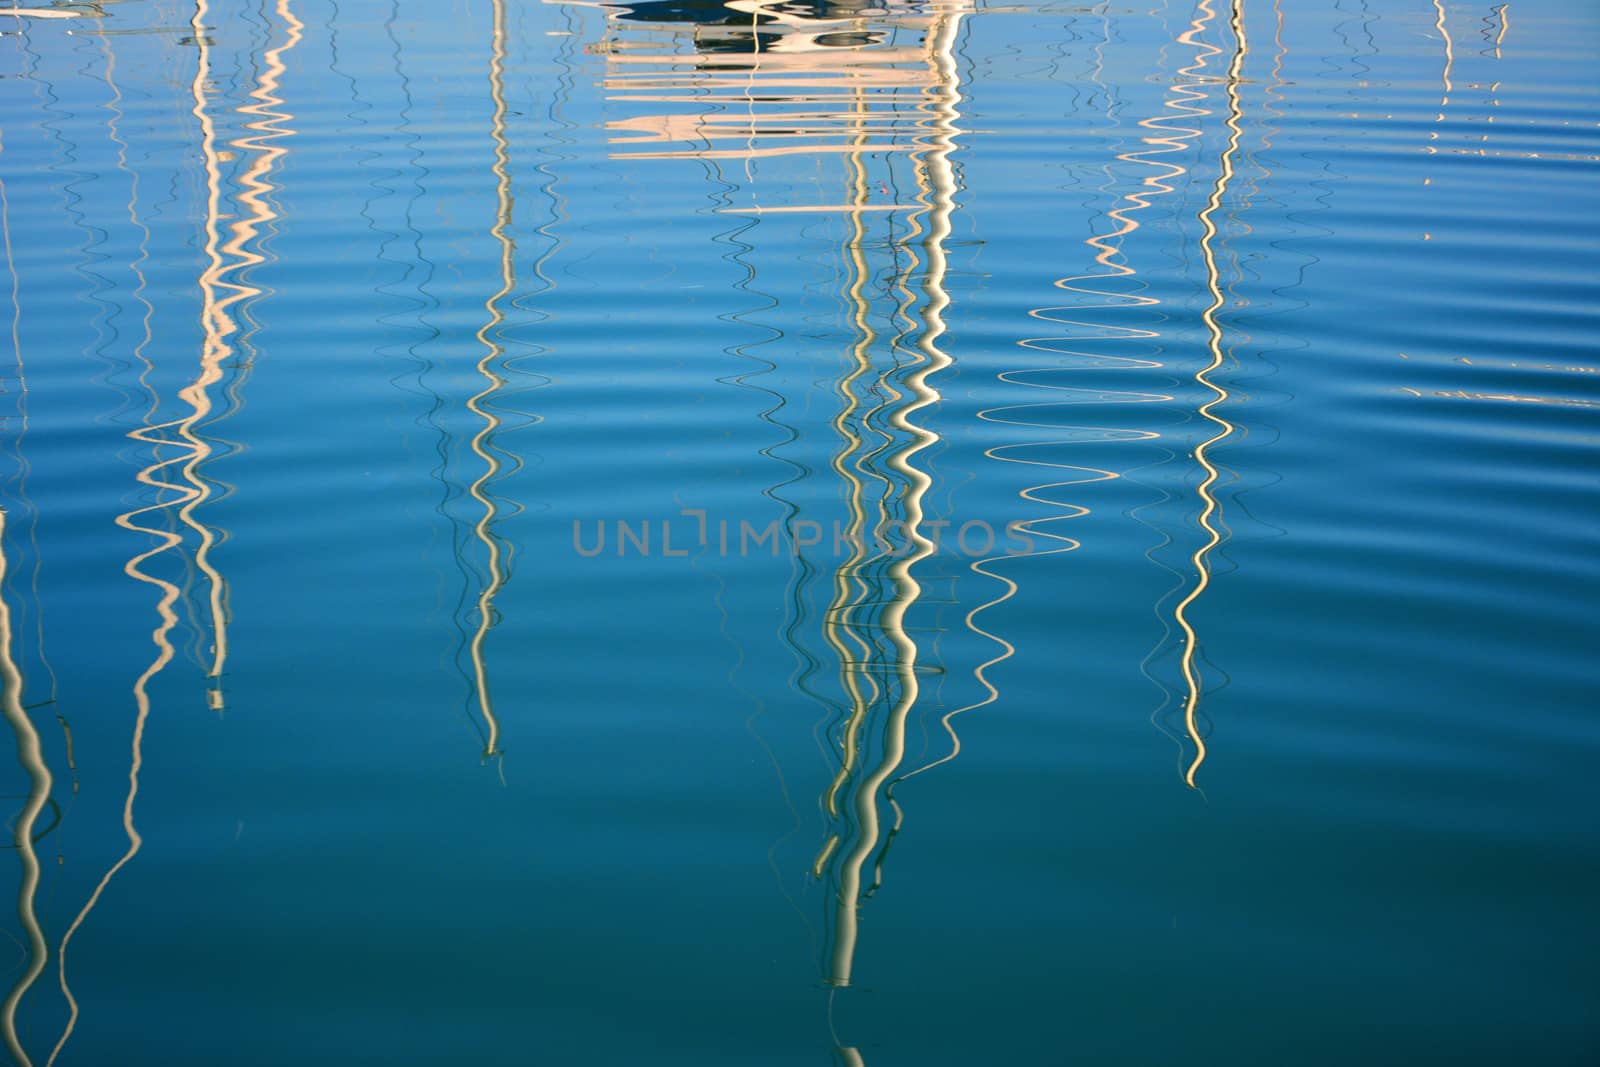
(800, 533)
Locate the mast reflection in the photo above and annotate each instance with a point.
(30, 756)
(798, 83)
(1210, 519)
(490, 369)
(250, 213)
(25, 833)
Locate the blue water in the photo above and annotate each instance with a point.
(800, 533)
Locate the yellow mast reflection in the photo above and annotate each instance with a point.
(1173, 131)
(1449, 56)
(31, 757)
(257, 213)
(223, 284)
(266, 129)
(488, 367)
(165, 539)
(770, 81)
(851, 648)
(30, 754)
(1107, 250)
(216, 326)
(1208, 501)
(938, 200)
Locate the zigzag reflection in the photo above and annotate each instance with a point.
(489, 367)
(235, 225)
(879, 91)
(30, 755)
(1209, 519)
(779, 82)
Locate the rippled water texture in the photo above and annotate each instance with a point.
(798, 533)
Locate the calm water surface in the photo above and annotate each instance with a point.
(798, 533)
